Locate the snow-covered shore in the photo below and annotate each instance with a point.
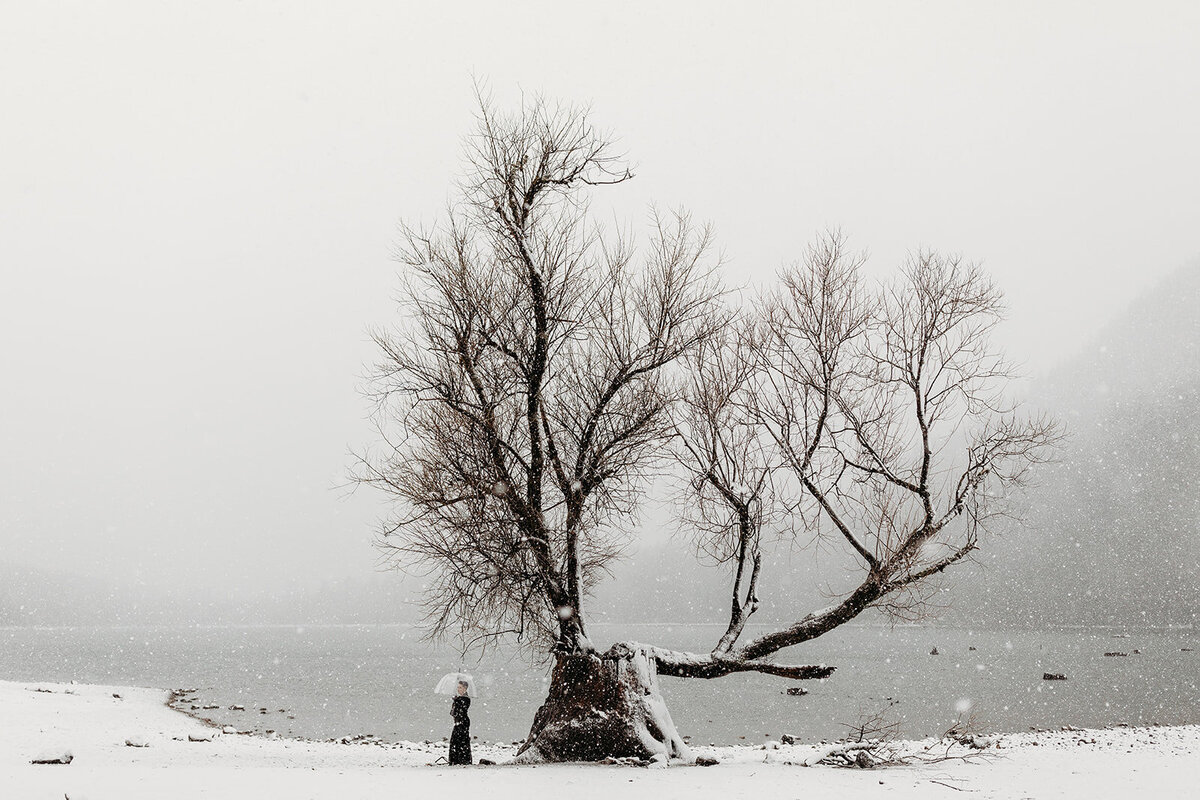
(95, 723)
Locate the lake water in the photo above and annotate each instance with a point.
(330, 681)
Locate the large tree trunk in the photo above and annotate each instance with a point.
(604, 706)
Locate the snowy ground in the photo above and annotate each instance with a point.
(47, 719)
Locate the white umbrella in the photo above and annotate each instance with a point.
(449, 684)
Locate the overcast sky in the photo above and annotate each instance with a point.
(197, 202)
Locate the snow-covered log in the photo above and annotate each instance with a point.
(715, 665)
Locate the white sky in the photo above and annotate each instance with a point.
(197, 202)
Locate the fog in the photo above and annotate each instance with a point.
(198, 202)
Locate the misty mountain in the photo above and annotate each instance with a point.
(34, 596)
(1113, 529)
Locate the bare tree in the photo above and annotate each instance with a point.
(884, 423)
(542, 370)
(526, 395)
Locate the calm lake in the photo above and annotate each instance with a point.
(331, 681)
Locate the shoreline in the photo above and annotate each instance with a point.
(179, 700)
(303, 672)
(132, 742)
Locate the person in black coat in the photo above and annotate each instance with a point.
(460, 737)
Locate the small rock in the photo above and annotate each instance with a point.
(1053, 676)
(706, 761)
(486, 762)
(54, 756)
(971, 648)
(934, 652)
(117, 695)
(796, 691)
(787, 739)
(237, 708)
(200, 737)
(1117, 654)
(137, 741)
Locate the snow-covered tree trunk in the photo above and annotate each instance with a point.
(603, 706)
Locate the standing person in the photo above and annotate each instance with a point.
(460, 737)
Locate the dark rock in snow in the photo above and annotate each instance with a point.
(486, 762)
(1116, 654)
(787, 739)
(796, 691)
(1053, 676)
(64, 757)
(934, 652)
(624, 761)
(706, 761)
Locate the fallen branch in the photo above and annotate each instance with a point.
(710, 665)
